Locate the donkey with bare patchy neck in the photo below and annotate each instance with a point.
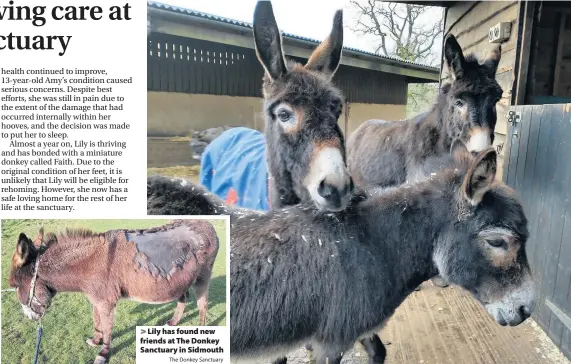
(384, 153)
(298, 275)
(155, 265)
(305, 146)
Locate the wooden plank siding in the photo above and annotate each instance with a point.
(187, 65)
(470, 22)
(538, 168)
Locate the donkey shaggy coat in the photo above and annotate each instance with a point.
(298, 275)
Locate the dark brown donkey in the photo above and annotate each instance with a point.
(305, 146)
(384, 153)
(297, 275)
(156, 265)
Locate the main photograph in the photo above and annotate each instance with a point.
(358, 148)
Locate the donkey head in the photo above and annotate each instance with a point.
(485, 250)
(33, 293)
(306, 151)
(471, 96)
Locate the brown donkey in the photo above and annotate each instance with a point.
(156, 265)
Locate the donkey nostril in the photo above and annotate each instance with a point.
(525, 312)
(324, 189)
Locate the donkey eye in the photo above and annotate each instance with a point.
(495, 242)
(459, 103)
(284, 115)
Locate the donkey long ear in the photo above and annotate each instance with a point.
(268, 40)
(480, 176)
(454, 57)
(327, 55)
(38, 241)
(22, 253)
(493, 59)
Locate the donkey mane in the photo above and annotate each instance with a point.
(171, 225)
(72, 244)
(71, 235)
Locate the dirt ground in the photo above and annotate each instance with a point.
(446, 325)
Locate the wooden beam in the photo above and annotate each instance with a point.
(444, 17)
(565, 320)
(559, 55)
(524, 52)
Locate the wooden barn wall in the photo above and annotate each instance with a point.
(470, 22)
(186, 65)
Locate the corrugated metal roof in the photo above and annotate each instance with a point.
(199, 14)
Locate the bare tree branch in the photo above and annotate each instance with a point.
(406, 26)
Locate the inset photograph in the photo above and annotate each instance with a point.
(84, 285)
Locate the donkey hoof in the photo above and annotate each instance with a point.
(100, 360)
(90, 342)
(438, 281)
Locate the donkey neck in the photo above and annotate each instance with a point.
(446, 138)
(63, 266)
(433, 130)
(406, 222)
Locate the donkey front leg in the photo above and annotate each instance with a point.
(280, 361)
(375, 349)
(327, 353)
(97, 333)
(106, 313)
(179, 310)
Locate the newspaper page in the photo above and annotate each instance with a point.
(285, 181)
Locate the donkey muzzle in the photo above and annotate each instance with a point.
(335, 196)
(479, 139)
(31, 314)
(515, 307)
(328, 181)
